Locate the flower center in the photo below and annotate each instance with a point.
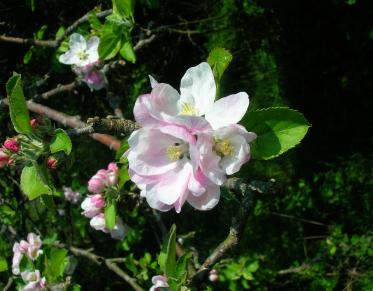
(188, 109)
(33, 277)
(176, 151)
(82, 55)
(223, 147)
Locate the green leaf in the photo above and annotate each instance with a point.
(60, 32)
(167, 257)
(19, 114)
(110, 215)
(3, 264)
(28, 55)
(110, 44)
(181, 268)
(94, 21)
(55, 263)
(219, 59)
(124, 8)
(278, 129)
(60, 142)
(32, 184)
(127, 52)
(40, 33)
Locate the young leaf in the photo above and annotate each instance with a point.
(278, 128)
(60, 142)
(181, 268)
(31, 182)
(167, 257)
(124, 8)
(127, 52)
(219, 59)
(19, 114)
(55, 263)
(110, 215)
(110, 44)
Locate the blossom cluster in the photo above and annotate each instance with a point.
(84, 58)
(31, 249)
(93, 205)
(188, 143)
(10, 148)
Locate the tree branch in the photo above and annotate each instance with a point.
(53, 43)
(70, 121)
(115, 125)
(59, 89)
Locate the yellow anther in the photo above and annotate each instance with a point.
(174, 152)
(188, 109)
(223, 147)
(82, 55)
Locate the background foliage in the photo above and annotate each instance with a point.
(315, 232)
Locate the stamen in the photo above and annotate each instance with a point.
(223, 147)
(174, 152)
(82, 55)
(188, 109)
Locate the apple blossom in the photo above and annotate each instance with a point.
(92, 205)
(70, 195)
(213, 275)
(17, 257)
(95, 79)
(159, 283)
(35, 244)
(33, 280)
(81, 52)
(163, 163)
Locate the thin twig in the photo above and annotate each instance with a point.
(8, 284)
(294, 270)
(238, 222)
(297, 218)
(109, 262)
(59, 89)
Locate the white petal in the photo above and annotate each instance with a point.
(232, 164)
(198, 84)
(228, 110)
(69, 58)
(153, 82)
(77, 42)
(93, 43)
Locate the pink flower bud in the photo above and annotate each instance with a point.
(23, 246)
(12, 145)
(112, 174)
(92, 205)
(213, 276)
(52, 163)
(98, 182)
(4, 158)
(98, 222)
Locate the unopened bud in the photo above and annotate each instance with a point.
(12, 145)
(33, 122)
(213, 276)
(52, 163)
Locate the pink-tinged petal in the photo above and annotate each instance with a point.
(138, 179)
(174, 185)
(93, 43)
(228, 110)
(206, 201)
(194, 124)
(148, 152)
(153, 82)
(142, 115)
(77, 42)
(197, 183)
(163, 102)
(178, 132)
(209, 161)
(98, 222)
(232, 164)
(235, 129)
(198, 84)
(153, 200)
